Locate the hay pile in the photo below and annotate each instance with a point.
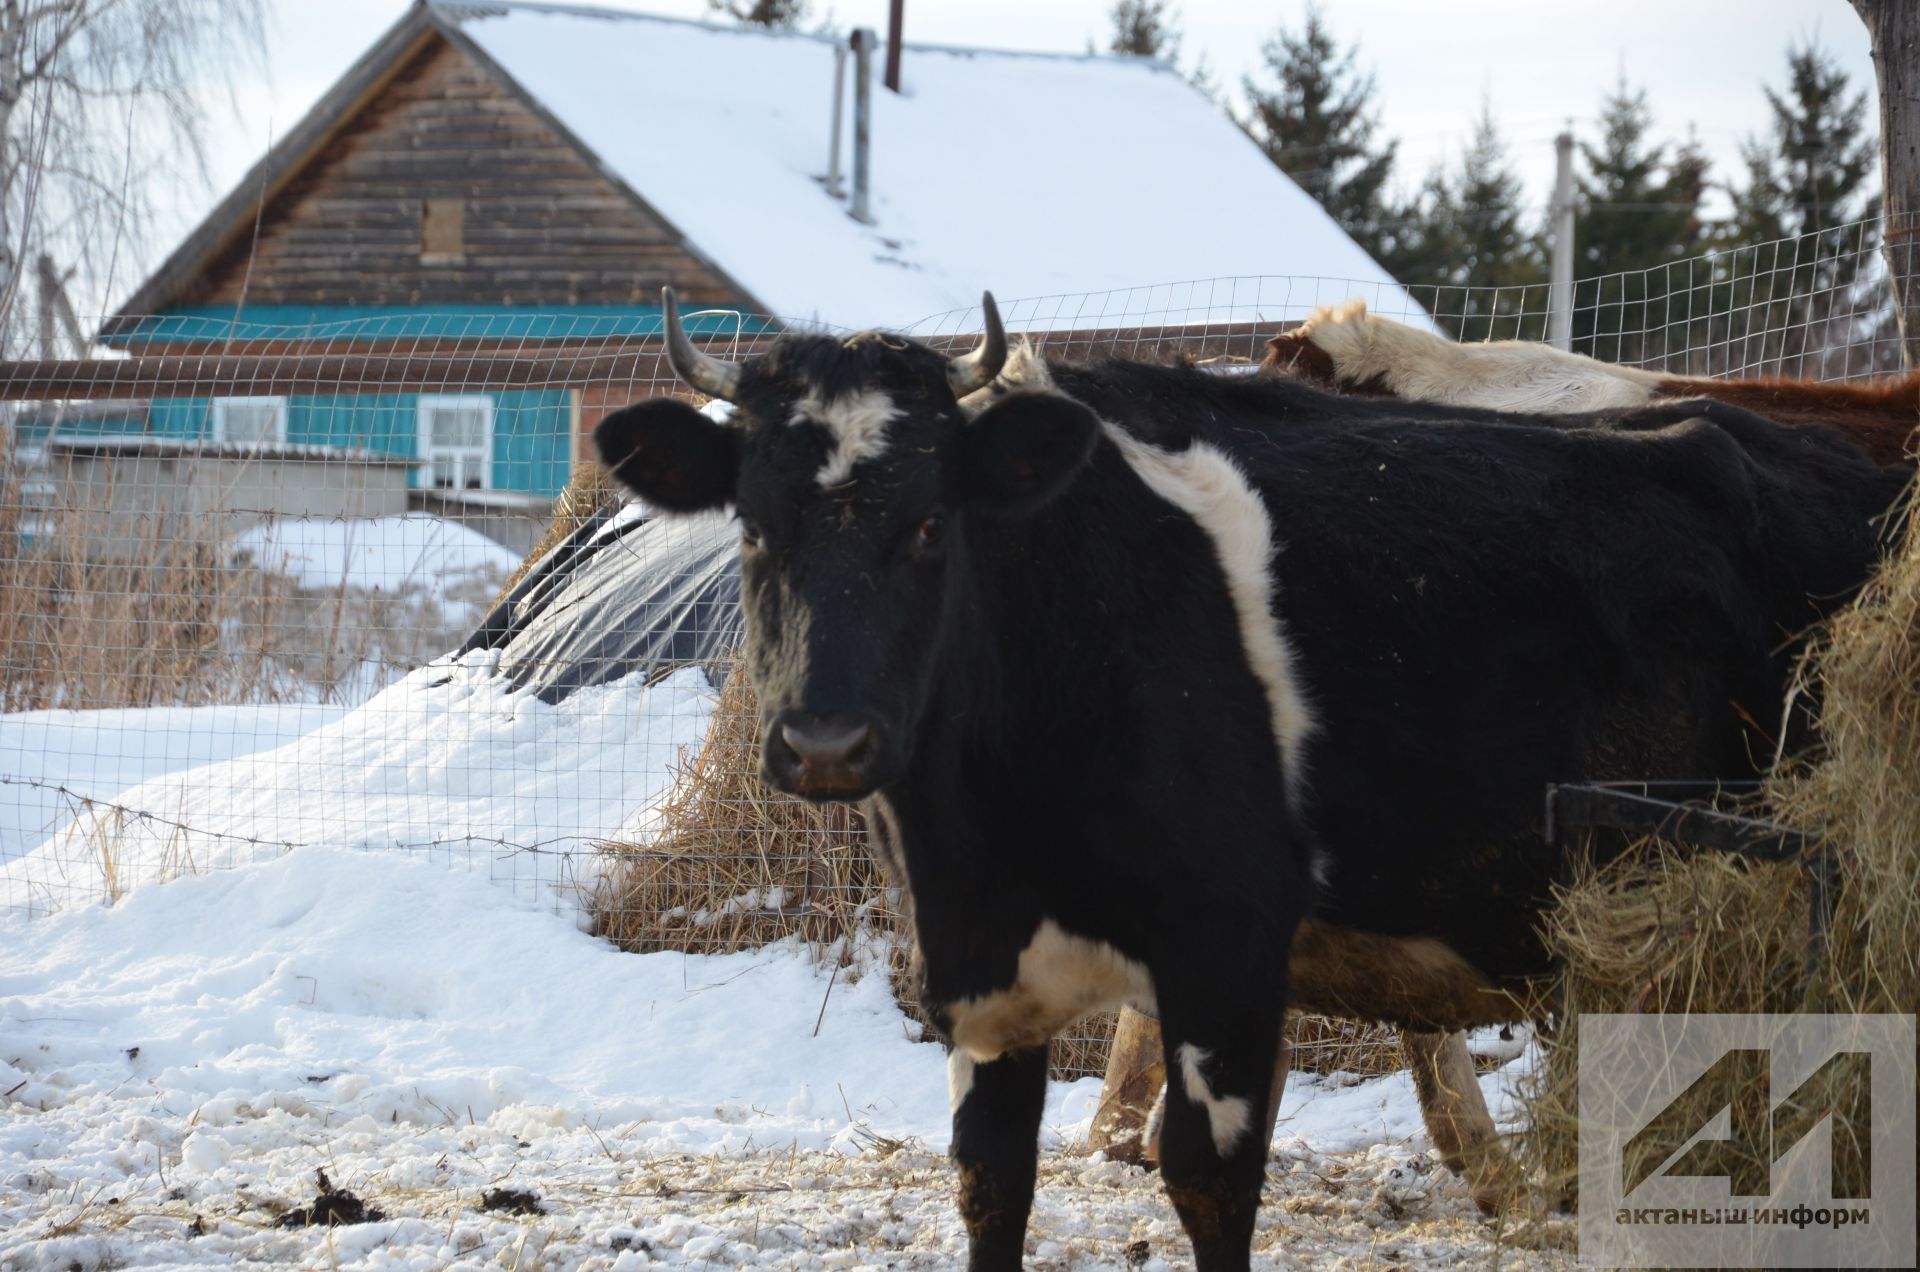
(735, 864)
(1664, 929)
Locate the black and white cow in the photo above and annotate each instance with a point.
(1144, 673)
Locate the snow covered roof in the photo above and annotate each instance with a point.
(1033, 175)
(1084, 191)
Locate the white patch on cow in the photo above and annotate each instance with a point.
(1227, 1115)
(1209, 487)
(856, 422)
(960, 1067)
(1059, 979)
(1499, 375)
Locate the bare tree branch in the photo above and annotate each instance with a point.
(86, 86)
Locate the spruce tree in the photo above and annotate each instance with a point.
(1798, 307)
(1149, 28)
(1639, 210)
(778, 15)
(1145, 28)
(1498, 257)
(1316, 121)
(1826, 152)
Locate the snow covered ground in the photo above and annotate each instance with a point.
(178, 1067)
(419, 552)
(447, 764)
(52, 761)
(367, 599)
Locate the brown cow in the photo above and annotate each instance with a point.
(1348, 350)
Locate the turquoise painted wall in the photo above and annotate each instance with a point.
(194, 323)
(529, 429)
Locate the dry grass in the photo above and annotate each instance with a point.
(734, 864)
(84, 626)
(1668, 930)
(186, 621)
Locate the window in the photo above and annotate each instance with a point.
(456, 441)
(443, 237)
(250, 421)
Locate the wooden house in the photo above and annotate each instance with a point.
(518, 176)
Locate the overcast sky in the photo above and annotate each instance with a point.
(1540, 63)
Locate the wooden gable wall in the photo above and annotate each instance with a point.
(538, 224)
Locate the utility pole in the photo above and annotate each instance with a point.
(1560, 283)
(1894, 26)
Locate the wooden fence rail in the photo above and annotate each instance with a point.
(439, 366)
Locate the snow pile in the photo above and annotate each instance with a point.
(197, 1052)
(428, 555)
(448, 763)
(51, 762)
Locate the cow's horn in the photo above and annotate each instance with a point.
(712, 376)
(976, 370)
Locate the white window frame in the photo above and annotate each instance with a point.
(279, 405)
(429, 452)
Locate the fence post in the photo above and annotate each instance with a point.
(863, 42)
(839, 108)
(1560, 286)
(1894, 26)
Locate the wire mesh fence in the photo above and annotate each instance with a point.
(264, 586)
(1817, 306)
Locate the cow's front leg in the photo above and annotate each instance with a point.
(996, 1146)
(1221, 1068)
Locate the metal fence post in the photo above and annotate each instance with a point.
(839, 116)
(863, 42)
(1560, 288)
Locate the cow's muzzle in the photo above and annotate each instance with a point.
(823, 756)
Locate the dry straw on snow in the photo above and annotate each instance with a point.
(1668, 929)
(93, 616)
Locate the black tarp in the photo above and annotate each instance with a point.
(620, 595)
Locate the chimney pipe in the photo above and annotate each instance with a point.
(863, 42)
(896, 18)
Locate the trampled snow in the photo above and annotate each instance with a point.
(197, 1051)
(1035, 176)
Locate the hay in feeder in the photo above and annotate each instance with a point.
(1670, 929)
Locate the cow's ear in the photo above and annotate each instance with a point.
(1023, 451)
(670, 455)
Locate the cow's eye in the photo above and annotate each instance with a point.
(749, 533)
(928, 537)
